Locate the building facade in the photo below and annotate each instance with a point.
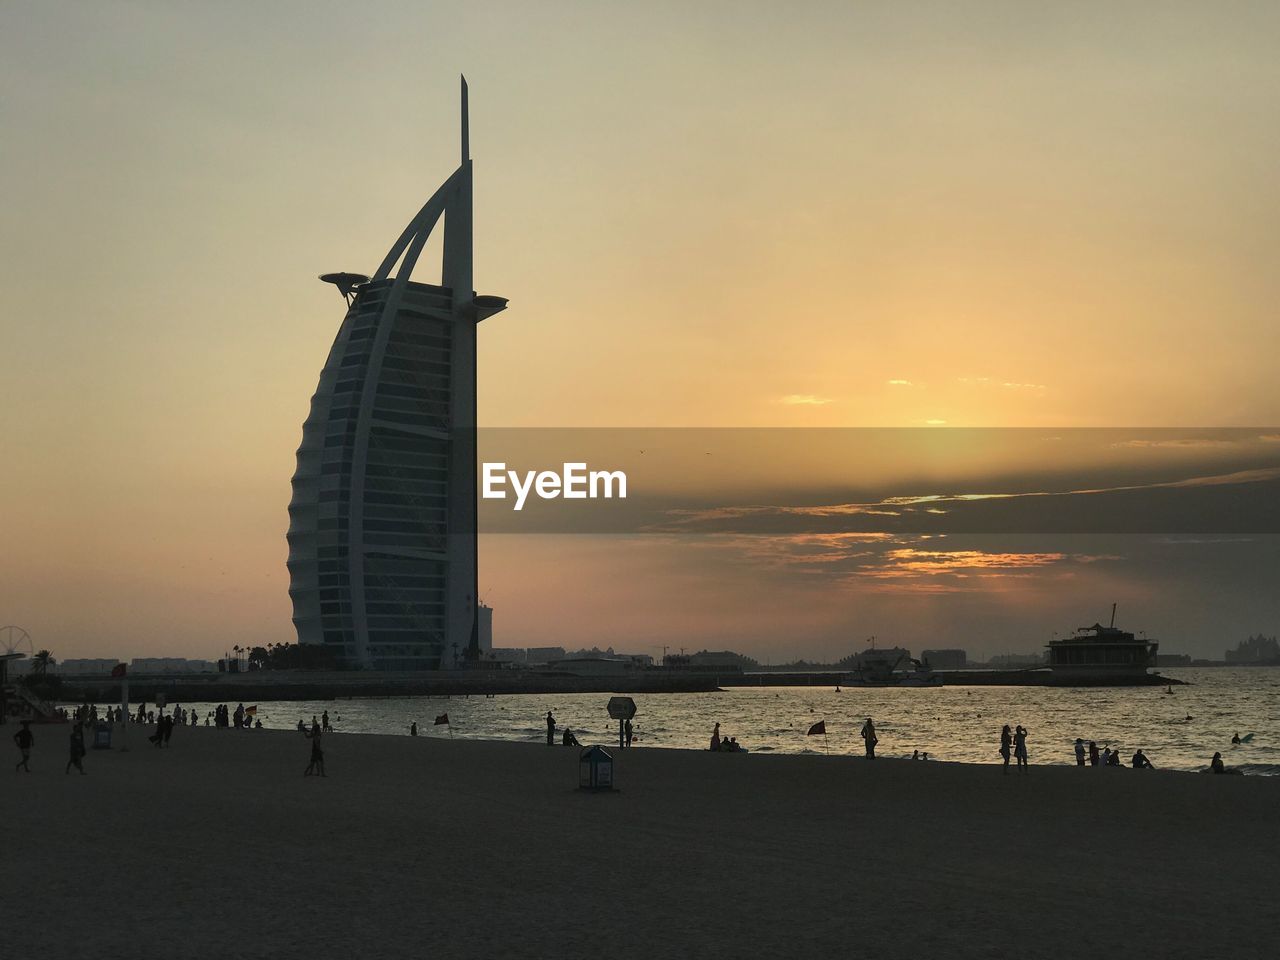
(382, 523)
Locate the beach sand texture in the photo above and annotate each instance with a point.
(418, 847)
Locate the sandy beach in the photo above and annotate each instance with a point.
(219, 847)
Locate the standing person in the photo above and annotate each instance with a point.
(1020, 747)
(413, 729)
(77, 748)
(1006, 746)
(316, 766)
(24, 740)
(1079, 752)
(715, 737)
(324, 722)
(1093, 753)
(626, 729)
(168, 723)
(551, 729)
(869, 738)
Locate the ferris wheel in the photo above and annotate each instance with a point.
(15, 640)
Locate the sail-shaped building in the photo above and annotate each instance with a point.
(382, 523)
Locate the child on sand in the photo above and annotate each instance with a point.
(24, 740)
(77, 748)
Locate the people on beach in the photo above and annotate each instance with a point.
(24, 741)
(1079, 752)
(1114, 759)
(1140, 761)
(1006, 746)
(869, 738)
(1216, 765)
(1020, 747)
(626, 729)
(715, 737)
(1093, 754)
(551, 729)
(1106, 756)
(324, 722)
(77, 748)
(413, 729)
(316, 766)
(569, 740)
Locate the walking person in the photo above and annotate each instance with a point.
(24, 740)
(869, 738)
(316, 766)
(1006, 746)
(551, 729)
(77, 748)
(1020, 747)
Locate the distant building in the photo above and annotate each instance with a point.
(1173, 660)
(144, 665)
(722, 658)
(946, 659)
(1254, 650)
(544, 654)
(86, 667)
(509, 654)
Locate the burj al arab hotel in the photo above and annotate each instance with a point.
(382, 524)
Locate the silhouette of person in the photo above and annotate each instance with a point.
(168, 723)
(869, 738)
(569, 739)
(626, 729)
(1093, 754)
(551, 729)
(316, 766)
(77, 748)
(1140, 761)
(1020, 747)
(24, 740)
(324, 722)
(1006, 746)
(1235, 740)
(1079, 752)
(413, 729)
(715, 737)
(1216, 765)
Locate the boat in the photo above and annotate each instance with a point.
(881, 670)
(1099, 655)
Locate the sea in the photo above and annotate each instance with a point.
(1178, 731)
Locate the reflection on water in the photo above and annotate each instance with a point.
(1177, 731)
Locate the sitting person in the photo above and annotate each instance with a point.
(1216, 765)
(569, 740)
(1140, 761)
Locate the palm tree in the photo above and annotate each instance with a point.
(41, 662)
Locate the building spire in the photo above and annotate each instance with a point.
(466, 145)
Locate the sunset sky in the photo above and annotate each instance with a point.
(747, 214)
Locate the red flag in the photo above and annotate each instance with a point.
(442, 719)
(251, 711)
(819, 727)
(118, 670)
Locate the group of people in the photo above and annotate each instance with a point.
(1108, 757)
(24, 739)
(724, 744)
(1014, 742)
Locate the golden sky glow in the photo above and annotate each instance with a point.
(712, 214)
